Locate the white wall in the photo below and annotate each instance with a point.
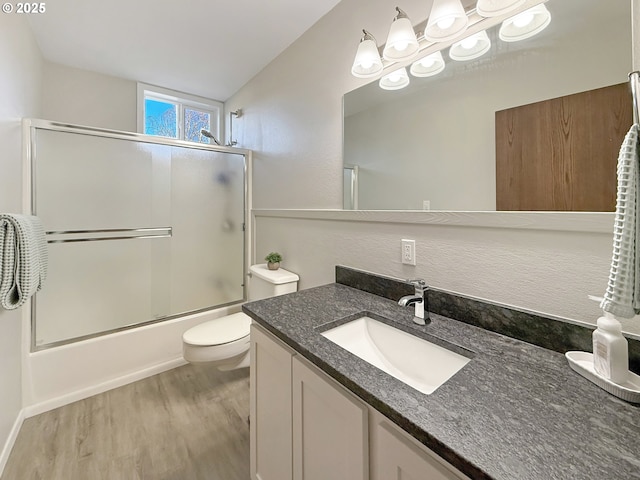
(450, 255)
(293, 123)
(87, 98)
(292, 116)
(20, 78)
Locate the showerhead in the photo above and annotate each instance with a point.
(208, 134)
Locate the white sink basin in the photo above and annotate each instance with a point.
(418, 363)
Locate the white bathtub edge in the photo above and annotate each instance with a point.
(65, 374)
(62, 400)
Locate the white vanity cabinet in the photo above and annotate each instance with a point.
(330, 434)
(270, 410)
(305, 426)
(397, 456)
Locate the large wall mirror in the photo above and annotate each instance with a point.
(432, 145)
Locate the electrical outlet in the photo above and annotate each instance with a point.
(408, 252)
(426, 204)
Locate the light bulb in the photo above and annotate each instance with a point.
(366, 63)
(401, 46)
(469, 43)
(428, 66)
(427, 62)
(522, 20)
(402, 43)
(395, 80)
(445, 22)
(470, 47)
(496, 8)
(525, 25)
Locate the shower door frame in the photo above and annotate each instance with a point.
(29, 126)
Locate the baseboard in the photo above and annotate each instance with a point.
(66, 399)
(8, 445)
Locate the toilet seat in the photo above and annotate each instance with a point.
(224, 340)
(218, 331)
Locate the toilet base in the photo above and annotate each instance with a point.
(234, 363)
(222, 342)
(224, 357)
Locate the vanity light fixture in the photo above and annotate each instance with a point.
(525, 24)
(428, 66)
(447, 21)
(367, 62)
(395, 80)
(402, 42)
(495, 8)
(471, 47)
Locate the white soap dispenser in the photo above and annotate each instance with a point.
(610, 350)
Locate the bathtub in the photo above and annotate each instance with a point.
(58, 376)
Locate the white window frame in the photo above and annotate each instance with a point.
(182, 100)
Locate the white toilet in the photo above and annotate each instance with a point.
(224, 341)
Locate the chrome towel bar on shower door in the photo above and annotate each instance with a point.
(68, 236)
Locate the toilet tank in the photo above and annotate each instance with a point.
(267, 283)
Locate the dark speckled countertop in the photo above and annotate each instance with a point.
(515, 411)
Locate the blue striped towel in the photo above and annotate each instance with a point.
(23, 258)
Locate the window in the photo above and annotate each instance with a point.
(172, 114)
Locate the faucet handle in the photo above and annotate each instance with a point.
(419, 284)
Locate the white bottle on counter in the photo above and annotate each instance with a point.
(610, 350)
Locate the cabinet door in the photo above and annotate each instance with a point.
(270, 427)
(330, 430)
(395, 456)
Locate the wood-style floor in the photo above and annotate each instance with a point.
(189, 423)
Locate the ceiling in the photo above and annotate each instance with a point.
(209, 48)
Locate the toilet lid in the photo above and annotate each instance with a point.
(219, 331)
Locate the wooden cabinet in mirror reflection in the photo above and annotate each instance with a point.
(561, 154)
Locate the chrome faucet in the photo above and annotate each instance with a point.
(420, 300)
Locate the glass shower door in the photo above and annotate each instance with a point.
(207, 216)
(138, 231)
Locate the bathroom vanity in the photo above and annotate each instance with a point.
(514, 411)
(309, 426)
